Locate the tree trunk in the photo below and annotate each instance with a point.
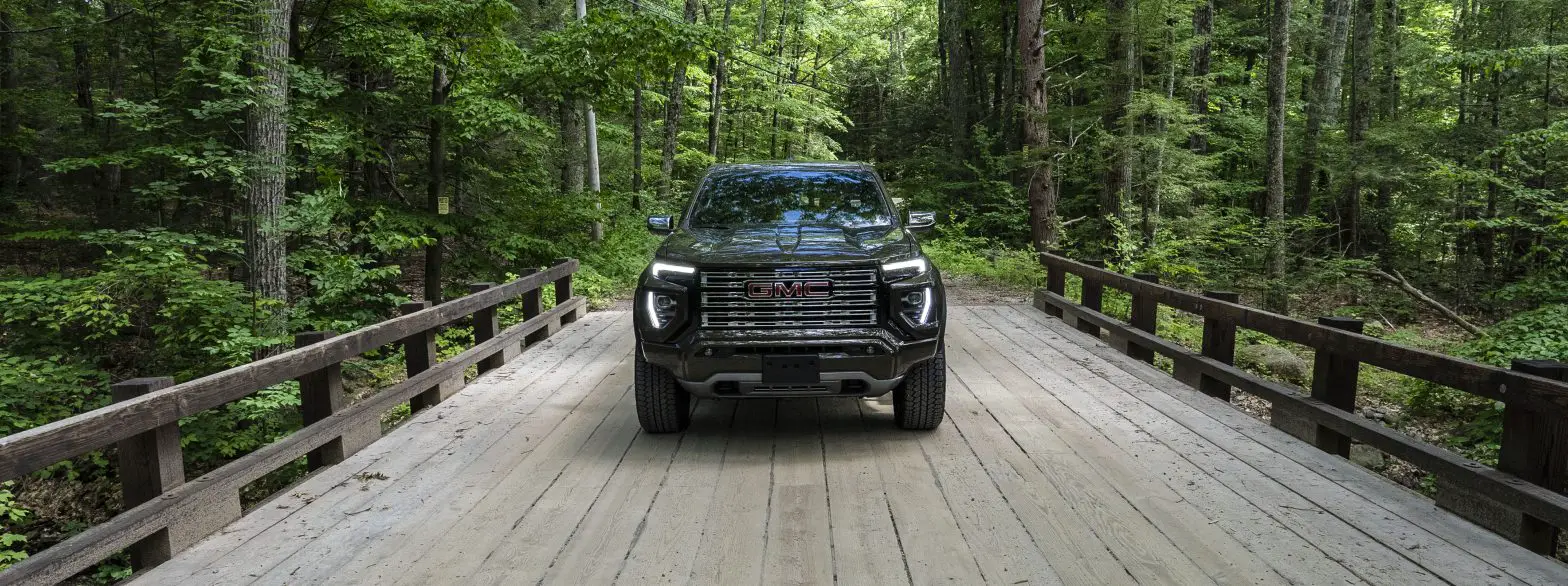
(1360, 122)
(436, 189)
(1202, 62)
(267, 133)
(637, 124)
(1381, 222)
(672, 116)
(10, 121)
(109, 175)
(716, 88)
(1323, 99)
(1274, 180)
(955, 19)
(1118, 53)
(1036, 127)
(572, 171)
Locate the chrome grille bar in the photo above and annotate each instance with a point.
(724, 304)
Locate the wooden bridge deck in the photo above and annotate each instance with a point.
(1062, 462)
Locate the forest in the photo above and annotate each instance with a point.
(186, 183)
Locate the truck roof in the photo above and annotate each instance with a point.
(730, 168)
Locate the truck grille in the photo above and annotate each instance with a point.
(724, 303)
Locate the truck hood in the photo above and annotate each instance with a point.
(771, 245)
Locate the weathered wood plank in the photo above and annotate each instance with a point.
(1504, 488)
(327, 492)
(865, 544)
(1421, 551)
(799, 544)
(735, 534)
(44, 445)
(669, 542)
(196, 498)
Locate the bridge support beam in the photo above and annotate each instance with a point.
(1533, 448)
(1219, 343)
(563, 292)
(1334, 379)
(321, 395)
(419, 354)
(1055, 282)
(1144, 315)
(1092, 297)
(486, 325)
(533, 305)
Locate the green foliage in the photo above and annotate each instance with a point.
(11, 516)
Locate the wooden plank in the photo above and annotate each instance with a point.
(1145, 533)
(476, 512)
(1072, 408)
(1399, 539)
(799, 544)
(598, 550)
(394, 457)
(337, 507)
(1144, 315)
(31, 450)
(1539, 393)
(1398, 500)
(1005, 552)
(184, 504)
(151, 463)
(865, 544)
(669, 542)
(1500, 486)
(734, 536)
(1067, 540)
(933, 544)
(539, 536)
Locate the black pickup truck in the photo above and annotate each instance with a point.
(789, 280)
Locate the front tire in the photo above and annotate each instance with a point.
(919, 401)
(663, 406)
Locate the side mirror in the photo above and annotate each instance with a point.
(921, 221)
(661, 225)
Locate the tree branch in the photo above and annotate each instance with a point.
(1393, 277)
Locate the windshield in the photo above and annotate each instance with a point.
(850, 199)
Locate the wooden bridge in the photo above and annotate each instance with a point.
(1067, 458)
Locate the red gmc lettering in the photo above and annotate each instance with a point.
(787, 289)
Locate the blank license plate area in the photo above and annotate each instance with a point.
(791, 369)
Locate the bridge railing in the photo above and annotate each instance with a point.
(164, 514)
(1520, 499)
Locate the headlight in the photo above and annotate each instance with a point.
(917, 305)
(905, 269)
(660, 308)
(659, 269)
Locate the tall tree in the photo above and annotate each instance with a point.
(267, 133)
(716, 65)
(1120, 59)
(672, 115)
(1274, 174)
(1361, 91)
(1036, 124)
(1202, 62)
(435, 190)
(1323, 99)
(10, 121)
(637, 126)
(954, 22)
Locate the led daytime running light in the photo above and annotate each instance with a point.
(918, 264)
(660, 268)
(925, 310)
(653, 315)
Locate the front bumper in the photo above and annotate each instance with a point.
(854, 362)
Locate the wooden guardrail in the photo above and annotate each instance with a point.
(1521, 499)
(165, 514)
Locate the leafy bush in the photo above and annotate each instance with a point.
(11, 544)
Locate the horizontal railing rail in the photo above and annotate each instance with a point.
(164, 514)
(1520, 499)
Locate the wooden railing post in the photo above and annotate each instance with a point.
(1093, 297)
(1334, 377)
(1219, 343)
(1055, 282)
(563, 292)
(1145, 315)
(321, 395)
(533, 305)
(486, 325)
(150, 464)
(1535, 448)
(419, 354)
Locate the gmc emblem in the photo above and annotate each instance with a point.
(788, 289)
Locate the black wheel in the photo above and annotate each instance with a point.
(918, 401)
(662, 405)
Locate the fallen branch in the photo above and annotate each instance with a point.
(1392, 276)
